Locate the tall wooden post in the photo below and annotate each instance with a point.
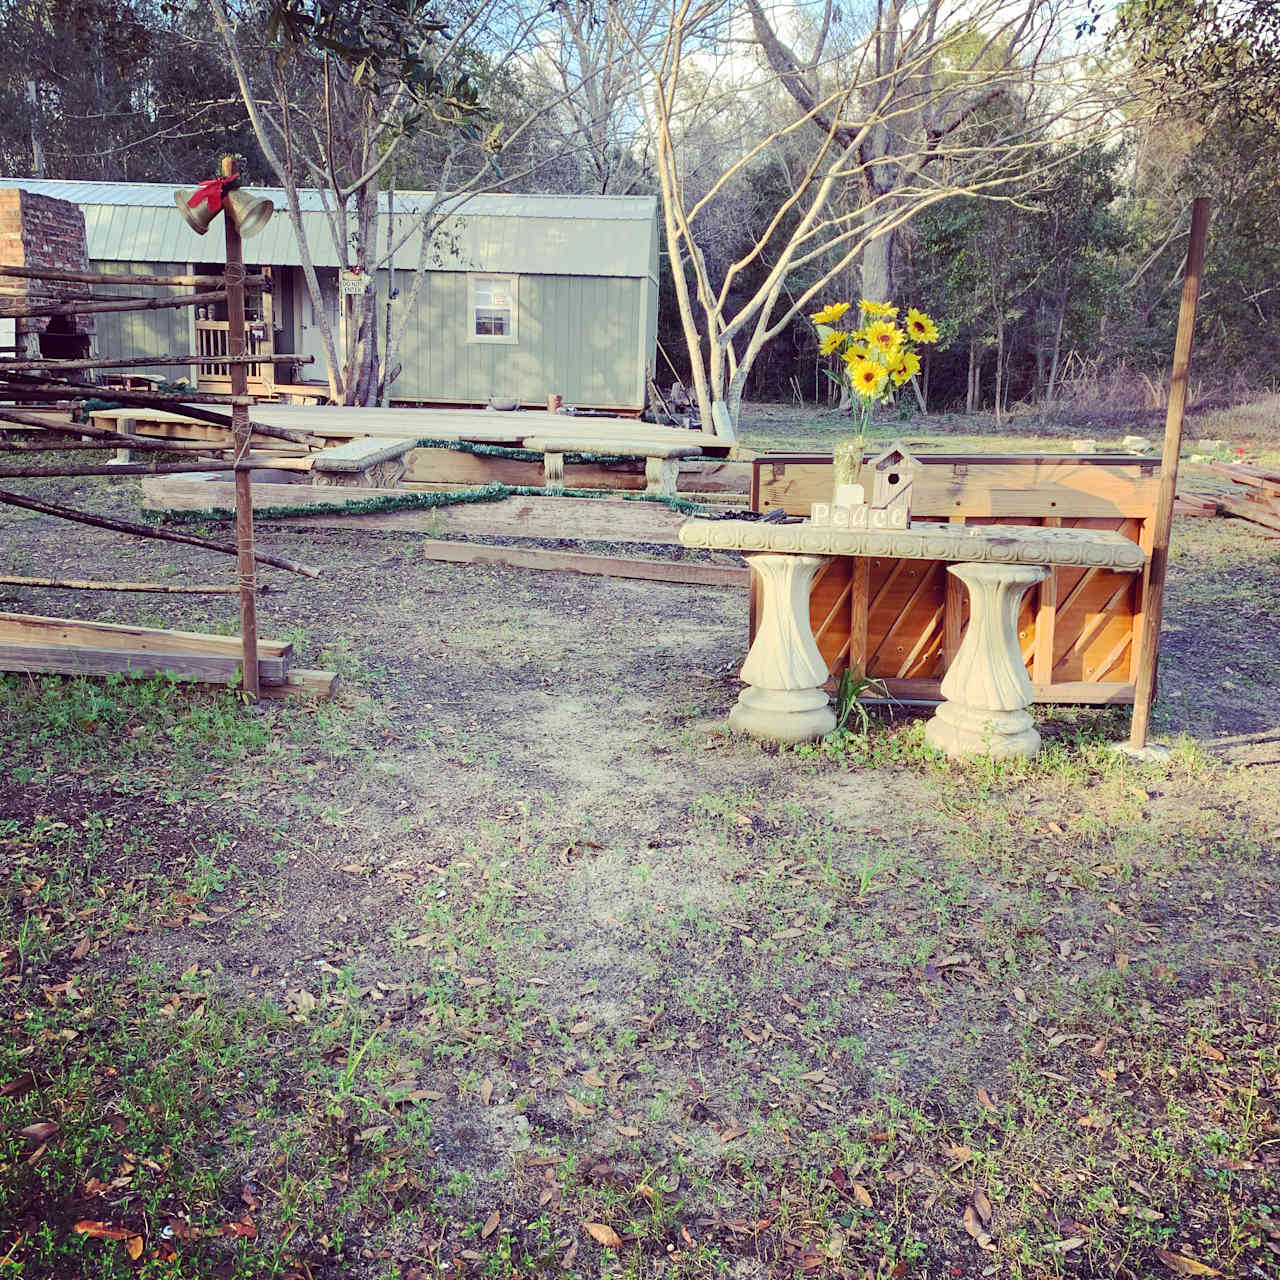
(1153, 609)
(241, 430)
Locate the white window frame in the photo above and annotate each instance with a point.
(512, 285)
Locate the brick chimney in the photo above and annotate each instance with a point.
(40, 231)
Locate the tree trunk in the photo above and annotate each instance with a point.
(877, 267)
(999, 363)
(1057, 347)
(971, 389)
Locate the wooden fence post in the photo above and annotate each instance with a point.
(1153, 606)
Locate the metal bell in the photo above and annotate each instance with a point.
(250, 212)
(199, 218)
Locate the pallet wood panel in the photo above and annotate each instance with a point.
(1079, 630)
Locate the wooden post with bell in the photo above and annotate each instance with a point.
(241, 432)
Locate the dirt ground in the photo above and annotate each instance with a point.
(515, 928)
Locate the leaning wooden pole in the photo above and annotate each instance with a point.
(1153, 607)
(146, 531)
(242, 433)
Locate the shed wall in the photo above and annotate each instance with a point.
(580, 336)
(126, 334)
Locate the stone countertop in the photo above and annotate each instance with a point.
(999, 544)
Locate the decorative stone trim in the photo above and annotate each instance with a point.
(999, 544)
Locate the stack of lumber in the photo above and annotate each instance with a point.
(62, 646)
(1189, 502)
(1254, 493)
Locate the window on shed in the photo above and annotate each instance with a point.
(493, 309)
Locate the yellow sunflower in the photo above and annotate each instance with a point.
(920, 327)
(867, 376)
(904, 367)
(885, 309)
(830, 313)
(833, 341)
(884, 336)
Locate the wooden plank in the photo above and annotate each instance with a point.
(1078, 692)
(28, 628)
(713, 575)
(450, 468)
(1254, 511)
(859, 611)
(304, 682)
(76, 659)
(1046, 618)
(946, 486)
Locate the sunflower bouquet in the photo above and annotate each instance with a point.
(880, 356)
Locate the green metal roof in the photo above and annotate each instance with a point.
(525, 234)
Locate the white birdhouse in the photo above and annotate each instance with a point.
(892, 472)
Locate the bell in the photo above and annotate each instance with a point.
(198, 218)
(251, 212)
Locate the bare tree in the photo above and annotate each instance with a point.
(343, 94)
(929, 100)
(584, 72)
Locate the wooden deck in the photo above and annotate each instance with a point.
(475, 426)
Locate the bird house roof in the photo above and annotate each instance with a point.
(896, 455)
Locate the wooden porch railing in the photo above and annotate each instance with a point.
(212, 341)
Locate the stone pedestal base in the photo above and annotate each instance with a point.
(783, 715)
(784, 672)
(986, 688)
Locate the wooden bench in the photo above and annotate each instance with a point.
(367, 463)
(661, 465)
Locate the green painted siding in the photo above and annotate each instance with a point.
(124, 334)
(580, 336)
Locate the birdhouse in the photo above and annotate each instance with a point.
(892, 473)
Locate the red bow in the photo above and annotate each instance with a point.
(213, 191)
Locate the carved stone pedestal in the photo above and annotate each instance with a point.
(784, 672)
(986, 689)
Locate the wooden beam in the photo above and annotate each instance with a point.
(65, 366)
(90, 277)
(304, 682)
(75, 308)
(1254, 511)
(676, 571)
(77, 660)
(1153, 605)
(85, 584)
(35, 629)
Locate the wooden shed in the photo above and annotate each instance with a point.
(526, 295)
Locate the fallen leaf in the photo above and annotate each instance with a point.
(81, 948)
(100, 1230)
(973, 1225)
(862, 1195)
(729, 1135)
(1203, 1046)
(960, 1155)
(486, 1091)
(593, 1078)
(627, 1131)
(1064, 1246)
(986, 1101)
(490, 1225)
(604, 1235)
(1185, 1266)
(577, 1108)
(18, 1086)
(40, 1131)
(133, 1247)
(982, 1203)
